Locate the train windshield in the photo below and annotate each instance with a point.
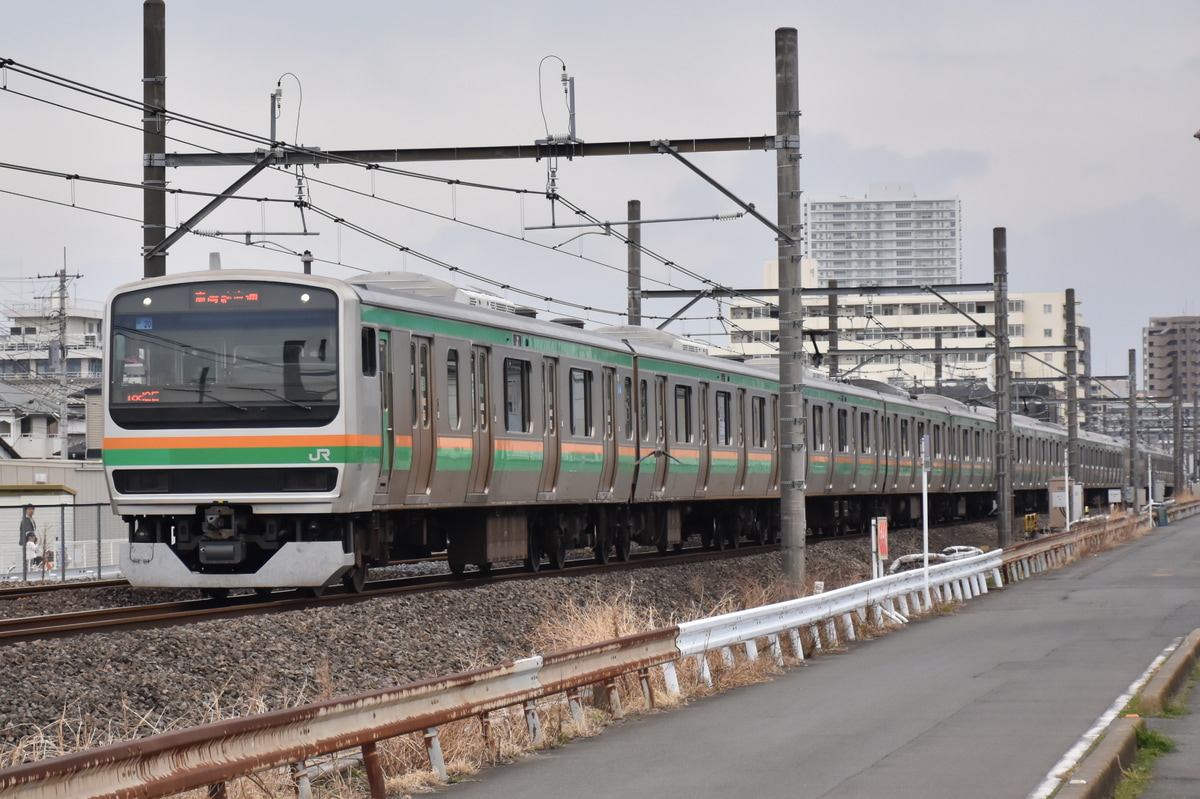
(224, 354)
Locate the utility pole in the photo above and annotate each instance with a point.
(635, 262)
(154, 135)
(793, 428)
(1072, 390)
(1004, 497)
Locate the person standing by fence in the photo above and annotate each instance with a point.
(28, 525)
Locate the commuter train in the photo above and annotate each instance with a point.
(267, 429)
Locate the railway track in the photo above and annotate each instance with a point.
(59, 625)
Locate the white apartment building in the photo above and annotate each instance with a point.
(890, 237)
(880, 336)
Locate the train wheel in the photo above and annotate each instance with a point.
(603, 552)
(355, 579)
(534, 562)
(558, 551)
(623, 545)
(314, 592)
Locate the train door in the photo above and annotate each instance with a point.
(705, 445)
(421, 395)
(380, 351)
(481, 426)
(608, 405)
(552, 452)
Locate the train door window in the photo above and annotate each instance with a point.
(452, 396)
(608, 402)
(479, 390)
(581, 402)
(419, 382)
(888, 440)
(660, 408)
(965, 454)
(978, 444)
(551, 381)
(843, 430)
(758, 421)
(920, 434)
(864, 432)
(627, 387)
(818, 427)
(724, 420)
(905, 443)
(937, 440)
(517, 417)
(741, 418)
(370, 364)
(683, 414)
(644, 409)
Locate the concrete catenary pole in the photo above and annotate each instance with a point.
(154, 134)
(1004, 497)
(1177, 412)
(1132, 428)
(1072, 389)
(635, 262)
(793, 429)
(831, 349)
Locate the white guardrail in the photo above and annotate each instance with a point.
(212, 754)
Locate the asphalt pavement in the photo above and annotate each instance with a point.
(982, 703)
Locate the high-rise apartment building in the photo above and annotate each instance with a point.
(1171, 342)
(891, 237)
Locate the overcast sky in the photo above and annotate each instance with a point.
(1067, 122)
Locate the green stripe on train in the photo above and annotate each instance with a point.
(237, 456)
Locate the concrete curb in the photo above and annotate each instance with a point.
(1171, 677)
(1097, 774)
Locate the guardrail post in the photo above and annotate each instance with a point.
(575, 702)
(831, 632)
(614, 698)
(848, 626)
(300, 779)
(752, 649)
(433, 748)
(815, 632)
(702, 665)
(727, 657)
(370, 757)
(776, 649)
(797, 643)
(671, 678)
(902, 600)
(533, 723)
(996, 578)
(647, 690)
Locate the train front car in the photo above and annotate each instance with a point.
(227, 443)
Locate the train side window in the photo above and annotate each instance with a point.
(724, 419)
(818, 427)
(581, 402)
(864, 432)
(683, 414)
(370, 362)
(843, 430)
(452, 396)
(517, 417)
(758, 421)
(627, 387)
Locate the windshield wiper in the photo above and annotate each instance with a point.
(235, 406)
(271, 393)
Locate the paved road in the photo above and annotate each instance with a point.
(980, 704)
